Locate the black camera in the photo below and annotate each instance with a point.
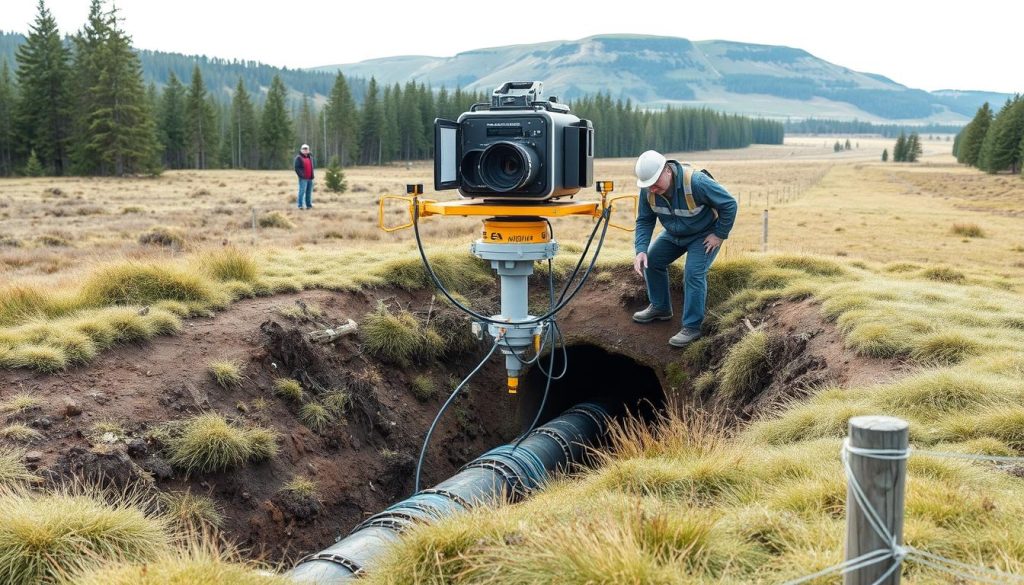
(517, 147)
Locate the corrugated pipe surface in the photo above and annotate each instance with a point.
(502, 475)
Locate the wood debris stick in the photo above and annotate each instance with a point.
(330, 334)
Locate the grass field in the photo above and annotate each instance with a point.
(919, 264)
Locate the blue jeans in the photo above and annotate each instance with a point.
(305, 193)
(663, 252)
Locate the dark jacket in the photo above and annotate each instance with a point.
(679, 221)
(299, 170)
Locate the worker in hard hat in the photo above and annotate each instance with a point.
(697, 214)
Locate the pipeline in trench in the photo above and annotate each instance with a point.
(597, 386)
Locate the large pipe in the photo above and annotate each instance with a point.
(502, 475)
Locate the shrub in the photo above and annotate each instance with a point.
(744, 365)
(43, 536)
(275, 219)
(316, 417)
(335, 177)
(288, 389)
(226, 373)
(163, 236)
(209, 443)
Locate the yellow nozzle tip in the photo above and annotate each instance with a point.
(513, 385)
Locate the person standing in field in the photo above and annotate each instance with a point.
(697, 214)
(304, 169)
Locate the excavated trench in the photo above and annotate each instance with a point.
(594, 374)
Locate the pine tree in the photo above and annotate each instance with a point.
(121, 135)
(200, 124)
(172, 124)
(913, 150)
(885, 155)
(335, 177)
(243, 133)
(410, 124)
(275, 127)
(342, 123)
(305, 124)
(899, 152)
(43, 119)
(8, 98)
(969, 149)
(848, 146)
(85, 72)
(371, 126)
(390, 145)
(33, 168)
(1000, 150)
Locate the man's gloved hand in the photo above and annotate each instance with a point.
(640, 263)
(711, 243)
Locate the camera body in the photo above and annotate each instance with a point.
(517, 148)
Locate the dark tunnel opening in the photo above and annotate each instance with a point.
(594, 375)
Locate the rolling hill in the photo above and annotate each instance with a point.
(654, 71)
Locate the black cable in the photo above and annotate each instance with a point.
(447, 403)
(605, 218)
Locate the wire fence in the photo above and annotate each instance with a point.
(895, 552)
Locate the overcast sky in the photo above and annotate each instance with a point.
(923, 44)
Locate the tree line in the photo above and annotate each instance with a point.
(83, 107)
(993, 142)
(829, 126)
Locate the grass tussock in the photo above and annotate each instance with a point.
(141, 283)
(199, 562)
(967, 230)
(208, 442)
(423, 388)
(19, 404)
(43, 536)
(745, 365)
(19, 433)
(302, 487)
(230, 263)
(191, 512)
(226, 373)
(337, 402)
(316, 416)
(275, 219)
(288, 389)
(167, 237)
(944, 274)
(13, 472)
(399, 337)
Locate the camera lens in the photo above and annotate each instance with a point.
(507, 166)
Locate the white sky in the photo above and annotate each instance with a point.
(923, 44)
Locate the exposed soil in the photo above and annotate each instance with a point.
(366, 463)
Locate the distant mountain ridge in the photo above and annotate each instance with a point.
(765, 80)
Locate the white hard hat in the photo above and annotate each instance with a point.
(648, 168)
(304, 147)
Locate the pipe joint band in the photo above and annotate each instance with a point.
(348, 564)
(559, 439)
(451, 496)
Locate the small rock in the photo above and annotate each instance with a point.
(33, 456)
(137, 447)
(71, 408)
(159, 468)
(43, 422)
(246, 496)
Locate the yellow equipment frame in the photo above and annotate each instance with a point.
(464, 208)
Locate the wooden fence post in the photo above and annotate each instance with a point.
(764, 231)
(253, 226)
(883, 482)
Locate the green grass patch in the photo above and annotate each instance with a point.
(399, 337)
(190, 512)
(208, 442)
(19, 432)
(140, 283)
(13, 472)
(289, 389)
(745, 365)
(226, 373)
(42, 536)
(275, 219)
(19, 404)
(316, 416)
(230, 263)
(423, 388)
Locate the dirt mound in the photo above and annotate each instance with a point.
(106, 422)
